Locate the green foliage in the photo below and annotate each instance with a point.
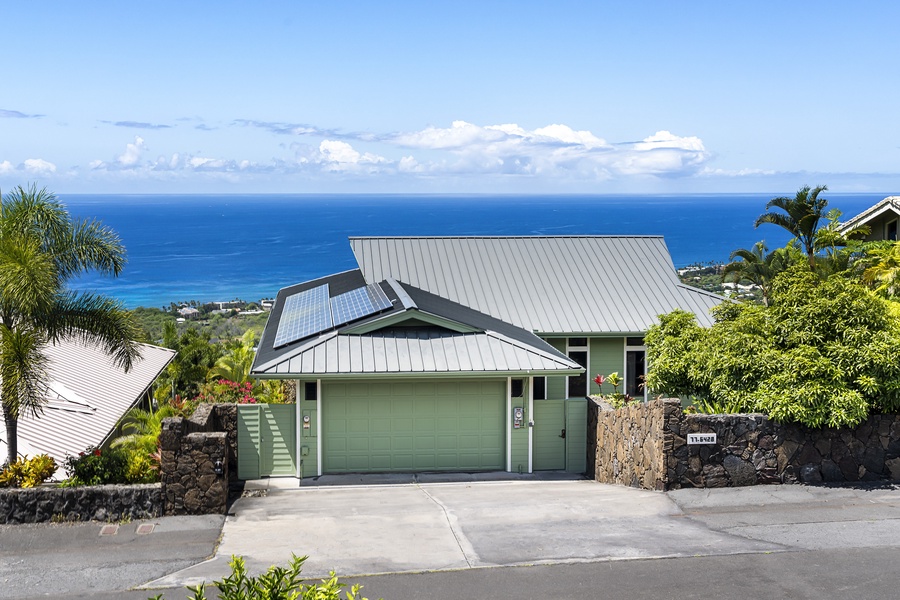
(278, 583)
(141, 468)
(197, 354)
(98, 467)
(41, 248)
(27, 473)
(822, 354)
(617, 399)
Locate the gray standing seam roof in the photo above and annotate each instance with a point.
(487, 346)
(547, 284)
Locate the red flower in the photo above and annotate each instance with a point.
(599, 379)
(97, 452)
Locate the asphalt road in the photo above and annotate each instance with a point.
(594, 541)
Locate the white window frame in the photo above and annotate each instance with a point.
(587, 349)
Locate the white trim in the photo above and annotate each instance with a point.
(530, 424)
(509, 428)
(587, 350)
(319, 458)
(298, 420)
(626, 350)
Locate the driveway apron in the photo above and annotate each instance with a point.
(356, 530)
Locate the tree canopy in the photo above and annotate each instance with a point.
(823, 353)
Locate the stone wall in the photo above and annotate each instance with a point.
(196, 457)
(97, 502)
(631, 445)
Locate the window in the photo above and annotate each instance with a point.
(578, 384)
(517, 389)
(540, 388)
(890, 231)
(311, 390)
(635, 367)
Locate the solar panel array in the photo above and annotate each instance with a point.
(310, 312)
(358, 303)
(305, 313)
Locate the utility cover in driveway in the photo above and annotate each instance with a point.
(413, 426)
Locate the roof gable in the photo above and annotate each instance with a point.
(420, 333)
(891, 205)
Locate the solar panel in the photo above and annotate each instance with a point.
(305, 313)
(358, 303)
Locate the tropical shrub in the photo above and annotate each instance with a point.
(28, 472)
(98, 467)
(617, 399)
(276, 583)
(822, 354)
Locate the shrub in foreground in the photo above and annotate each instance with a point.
(278, 583)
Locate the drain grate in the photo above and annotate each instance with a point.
(109, 530)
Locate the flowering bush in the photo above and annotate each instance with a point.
(616, 399)
(223, 390)
(97, 467)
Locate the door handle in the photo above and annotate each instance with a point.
(562, 434)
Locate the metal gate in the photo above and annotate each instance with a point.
(267, 436)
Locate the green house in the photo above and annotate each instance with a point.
(457, 353)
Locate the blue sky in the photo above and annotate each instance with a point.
(450, 97)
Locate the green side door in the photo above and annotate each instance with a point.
(267, 436)
(408, 426)
(549, 440)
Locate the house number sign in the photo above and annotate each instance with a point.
(701, 438)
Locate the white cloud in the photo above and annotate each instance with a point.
(39, 166)
(6, 168)
(337, 155)
(555, 150)
(132, 154)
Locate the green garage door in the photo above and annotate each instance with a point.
(413, 426)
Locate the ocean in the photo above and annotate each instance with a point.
(222, 247)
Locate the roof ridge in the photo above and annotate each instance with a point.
(353, 238)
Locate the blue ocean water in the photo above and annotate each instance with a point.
(221, 247)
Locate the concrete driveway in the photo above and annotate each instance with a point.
(366, 529)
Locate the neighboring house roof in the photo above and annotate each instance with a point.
(548, 284)
(420, 333)
(891, 204)
(87, 395)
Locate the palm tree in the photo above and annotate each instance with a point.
(751, 267)
(759, 266)
(141, 428)
(801, 217)
(235, 364)
(881, 265)
(41, 248)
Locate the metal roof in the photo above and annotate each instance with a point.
(86, 396)
(548, 284)
(421, 333)
(891, 203)
(416, 351)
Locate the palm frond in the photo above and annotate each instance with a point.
(96, 320)
(23, 370)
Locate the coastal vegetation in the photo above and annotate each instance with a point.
(819, 348)
(41, 249)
